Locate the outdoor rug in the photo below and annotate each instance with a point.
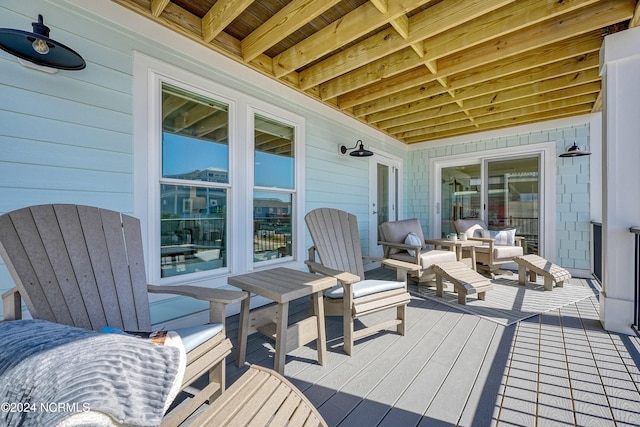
(508, 302)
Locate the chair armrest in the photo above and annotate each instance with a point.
(394, 263)
(519, 240)
(343, 277)
(402, 267)
(218, 298)
(402, 246)
(12, 305)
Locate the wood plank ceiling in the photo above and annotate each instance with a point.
(417, 70)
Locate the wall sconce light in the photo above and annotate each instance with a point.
(574, 151)
(360, 152)
(37, 48)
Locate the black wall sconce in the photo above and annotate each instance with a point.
(37, 48)
(360, 152)
(574, 151)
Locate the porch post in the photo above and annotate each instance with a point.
(620, 70)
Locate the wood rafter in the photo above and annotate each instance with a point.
(417, 70)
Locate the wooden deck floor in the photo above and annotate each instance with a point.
(452, 368)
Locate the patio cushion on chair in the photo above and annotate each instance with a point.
(506, 252)
(396, 232)
(412, 239)
(365, 287)
(195, 335)
(470, 227)
(428, 257)
(501, 237)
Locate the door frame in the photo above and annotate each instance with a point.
(547, 185)
(392, 162)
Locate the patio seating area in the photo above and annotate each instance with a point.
(453, 368)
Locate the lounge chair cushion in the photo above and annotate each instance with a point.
(365, 287)
(412, 239)
(396, 232)
(501, 252)
(195, 335)
(470, 227)
(501, 237)
(428, 257)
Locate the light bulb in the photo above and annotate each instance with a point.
(40, 46)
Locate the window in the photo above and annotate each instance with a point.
(218, 177)
(194, 182)
(274, 167)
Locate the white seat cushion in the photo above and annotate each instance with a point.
(428, 257)
(506, 252)
(365, 287)
(195, 335)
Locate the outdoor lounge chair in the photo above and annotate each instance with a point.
(337, 244)
(499, 246)
(403, 240)
(83, 266)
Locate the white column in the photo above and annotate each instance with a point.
(620, 70)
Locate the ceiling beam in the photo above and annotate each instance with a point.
(436, 19)
(221, 14)
(289, 19)
(355, 24)
(481, 30)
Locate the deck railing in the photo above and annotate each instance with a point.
(636, 311)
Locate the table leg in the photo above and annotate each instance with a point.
(282, 319)
(321, 342)
(243, 332)
(473, 258)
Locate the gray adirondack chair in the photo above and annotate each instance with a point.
(337, 245)
(84, 266)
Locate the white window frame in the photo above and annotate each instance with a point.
(148, 75)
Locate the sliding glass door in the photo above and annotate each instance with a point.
(505, 193)
(513, 198)
(461, 188)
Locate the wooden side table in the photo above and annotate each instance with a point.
(282, 285)
(456, 246)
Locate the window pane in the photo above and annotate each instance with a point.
(271, 225)
(192, 227)
(461, 186)
(274, 154)
(514, 199)
(195, 133)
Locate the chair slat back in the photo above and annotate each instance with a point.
(78, 265)
(336, 238)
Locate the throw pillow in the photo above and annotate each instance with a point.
(413, 240)
(501, 237)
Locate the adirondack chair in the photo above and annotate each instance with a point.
(84, 266)
(337, 245)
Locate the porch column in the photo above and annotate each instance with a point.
(620, 70)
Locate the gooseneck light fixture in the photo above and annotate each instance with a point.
(39, 49)
(574, 151)
(360, 152)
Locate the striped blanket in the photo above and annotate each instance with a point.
(57, 375)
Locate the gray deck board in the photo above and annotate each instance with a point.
(452, 368)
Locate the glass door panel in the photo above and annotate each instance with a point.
(384, 199)
(513, 198)
(461, 194)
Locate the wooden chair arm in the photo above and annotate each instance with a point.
(519, 240)
(218, 298)
(402, 246)
(343, 277)
(12, 305)
(394, 263)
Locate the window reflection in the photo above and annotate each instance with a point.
(271, 225)
(195, 149)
